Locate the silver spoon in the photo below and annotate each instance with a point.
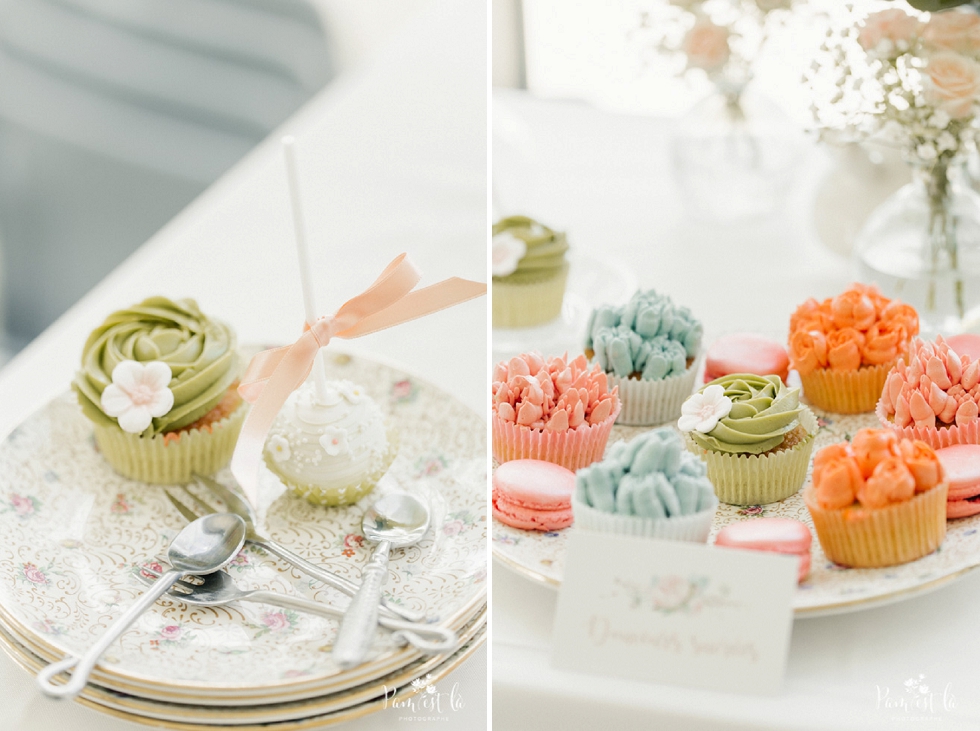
(201, 547)
(395, 521)
(219, 588)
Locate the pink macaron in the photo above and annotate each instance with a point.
(778, 535)
(745, 353)
(965, 344)
(533, 495)
(961, 462)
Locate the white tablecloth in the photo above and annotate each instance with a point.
(605, 180)
(391, 159)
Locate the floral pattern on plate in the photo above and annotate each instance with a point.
(828, 589)
(76, 534)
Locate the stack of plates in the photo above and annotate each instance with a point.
(76, 535)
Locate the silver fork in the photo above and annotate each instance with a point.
(235, 504)
(219, 588)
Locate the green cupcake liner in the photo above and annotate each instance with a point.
(175, 461)
(529, 303)
(758, 479)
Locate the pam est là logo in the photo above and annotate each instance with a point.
(423, 701)
(916, 699)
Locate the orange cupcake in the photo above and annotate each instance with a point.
(844, 347)
(877, 501)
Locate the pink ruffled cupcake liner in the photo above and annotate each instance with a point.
(572, 448)
(935, 437)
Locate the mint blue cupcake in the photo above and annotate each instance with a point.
(651, 486)
(648, 348)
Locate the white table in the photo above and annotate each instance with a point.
(391, 159)
(607, 183)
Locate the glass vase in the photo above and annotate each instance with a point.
(733, 154)
(922, 245)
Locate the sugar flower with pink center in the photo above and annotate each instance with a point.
(138, 393)
(508, 250)
(702, 411)
(334, 441)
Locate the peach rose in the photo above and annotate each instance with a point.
(923, 463)
(811, 315)
(888, 31)
(953, 83)
(808, 351)
(897, 311)
(844, 349)
(706, 46)
(891, 482)
(953, 31)
(853, 309)
(884, 342)
(872, 446)
(836, 477)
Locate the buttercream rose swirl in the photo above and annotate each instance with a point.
(200, 352)
(763, 411)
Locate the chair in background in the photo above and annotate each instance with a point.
(115, 114)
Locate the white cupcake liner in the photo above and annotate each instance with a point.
(648, 403)
(693, 528)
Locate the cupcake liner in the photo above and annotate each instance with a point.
(758, 479)
(846, 392)
(935, 437)
(525, 304)
(870, 538)
(646, 403)
(694, 528)
(171, 461)
(572, 449)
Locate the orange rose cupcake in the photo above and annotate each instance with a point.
(935, 398)
(551, 410)
(844, 347)
(877, 501)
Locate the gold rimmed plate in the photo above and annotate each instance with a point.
(76, 534)
(829, 589)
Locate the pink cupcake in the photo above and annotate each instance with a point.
(552, 410)
(935, 398)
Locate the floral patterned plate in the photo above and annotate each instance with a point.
(76, 533)
(829, 589)
(413, 691)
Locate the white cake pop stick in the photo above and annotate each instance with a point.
(305, 271)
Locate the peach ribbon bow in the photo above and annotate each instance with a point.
(274, 374)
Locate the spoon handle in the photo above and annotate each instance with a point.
(83, 667)
(428, 638)
(331, 579)
(360, 622)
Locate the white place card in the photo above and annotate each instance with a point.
(674, 612)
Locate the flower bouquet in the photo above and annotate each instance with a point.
(912, 80)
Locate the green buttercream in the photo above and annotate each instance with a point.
(763, 411)
(201, 353)
(545, 255)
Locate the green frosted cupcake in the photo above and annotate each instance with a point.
(529, 272)
(754, 435)
(158, 381)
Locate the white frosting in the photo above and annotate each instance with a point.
(332, 444)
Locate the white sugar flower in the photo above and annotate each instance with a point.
(352, 392)
(926, 151)
(334, 441)
(939, 119)
(702, 411)
(138, 393)
(508, 250)
(278, 447)
(945, 142)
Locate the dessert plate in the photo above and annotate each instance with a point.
(413, 682)
(75, 533)
(829, 589)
